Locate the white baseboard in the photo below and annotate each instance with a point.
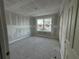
(18, 39)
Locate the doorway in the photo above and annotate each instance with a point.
(25, 41)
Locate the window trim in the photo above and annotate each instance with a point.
(43, 24)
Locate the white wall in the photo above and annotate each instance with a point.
(68, 29)
(62, 31)
(62, 35)
(18, 26)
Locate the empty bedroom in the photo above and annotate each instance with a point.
(33, 28)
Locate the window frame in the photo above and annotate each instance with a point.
(44, 24)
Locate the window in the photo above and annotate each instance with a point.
(44, 24)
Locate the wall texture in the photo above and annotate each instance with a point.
(67, 29)
(18, 26)
(55, 27)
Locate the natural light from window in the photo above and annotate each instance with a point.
(44, 24)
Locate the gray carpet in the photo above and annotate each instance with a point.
(35, 48)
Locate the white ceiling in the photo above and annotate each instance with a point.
(33, 7)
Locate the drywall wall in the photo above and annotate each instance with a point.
(18, 26)
(62, 35)
(62, 30)
(67, 30)
(55, 27)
